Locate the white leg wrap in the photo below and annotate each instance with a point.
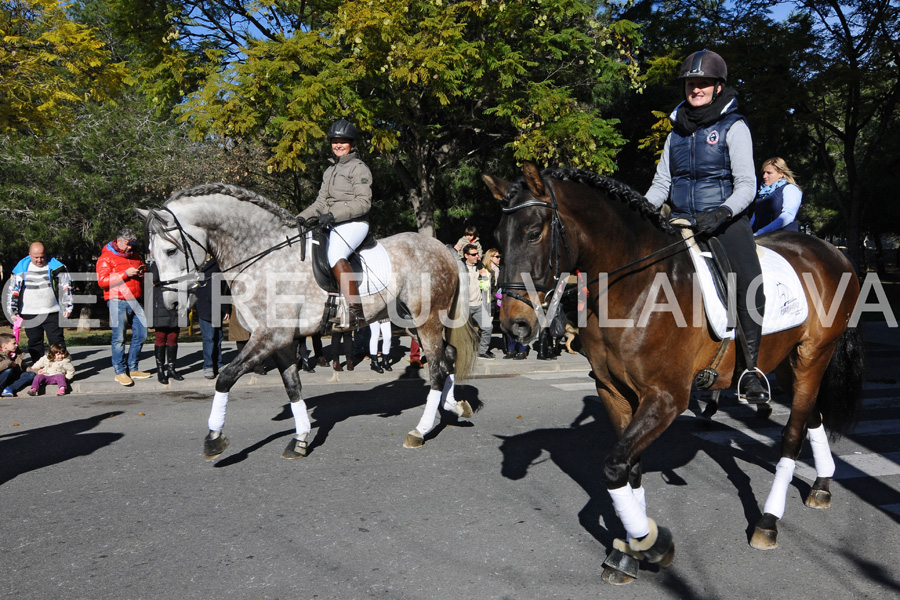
(217, 413)
(426, 423)
(630, 512)
(641, 497)
(784, 472)
(448, 396)
(301, 419)
(818, 439)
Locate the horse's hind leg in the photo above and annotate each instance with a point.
(290, 376)
(807, 377)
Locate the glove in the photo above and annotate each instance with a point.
(712, 219)
(301, 222)
(326, 220)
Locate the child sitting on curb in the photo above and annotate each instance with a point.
(54, 368)
(13, 376)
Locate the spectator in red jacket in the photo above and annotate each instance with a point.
(120, 274)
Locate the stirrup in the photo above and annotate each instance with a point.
(742, 398)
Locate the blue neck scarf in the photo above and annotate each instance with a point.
(768, 189)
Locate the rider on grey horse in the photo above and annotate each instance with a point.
(343, 205)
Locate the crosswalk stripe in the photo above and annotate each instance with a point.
(852, 466)
(772, 435)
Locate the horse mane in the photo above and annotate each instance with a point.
(206, 189)
(616, 189)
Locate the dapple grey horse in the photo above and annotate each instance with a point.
(258, 247)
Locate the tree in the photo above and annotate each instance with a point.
(435, 84)
(848, 94)
(49, 66)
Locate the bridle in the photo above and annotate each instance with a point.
(557, 234)
(558, 242)
(192, 276)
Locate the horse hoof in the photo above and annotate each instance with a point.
(818, 499)
(462, 409)
(764, 539)
(615, 577)
(214, 446)
(668, 558)
(620, 567)
(414, 439)
(295, 449)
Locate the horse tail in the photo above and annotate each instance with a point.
(840, 394)
(461, 334)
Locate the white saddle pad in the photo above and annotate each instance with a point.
(786, 304)
(373, 263)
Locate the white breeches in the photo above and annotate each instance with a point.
(344, 239)
(384, 330)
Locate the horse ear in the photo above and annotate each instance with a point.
(142, 213)
(497, 185)
(533, 179)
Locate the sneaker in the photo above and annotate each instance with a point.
(139, 375)
(61, 392)
(124, 379)
(7, 393)
(32, 392)
(209, 373)
(487, 355)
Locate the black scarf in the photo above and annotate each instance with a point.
(689, 119)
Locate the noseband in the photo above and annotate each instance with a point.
(557, 235)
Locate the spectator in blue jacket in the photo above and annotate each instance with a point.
(40, 291)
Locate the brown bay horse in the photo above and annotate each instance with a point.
(560, 220)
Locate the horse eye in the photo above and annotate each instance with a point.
(171, 251)
(533, 237)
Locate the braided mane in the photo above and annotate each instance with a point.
(616, 189)
(287, 219)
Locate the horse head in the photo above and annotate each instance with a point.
(179, 251)
(535, 249)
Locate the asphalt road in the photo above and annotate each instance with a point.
(104, 494)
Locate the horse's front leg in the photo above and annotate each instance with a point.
(252, 355)
(622, 474)
(290, 376)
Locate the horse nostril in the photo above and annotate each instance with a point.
(520, 330)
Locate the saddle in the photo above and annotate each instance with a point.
(321, 269)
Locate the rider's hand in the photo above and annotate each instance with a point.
(301, 222)
(326, 220)
(713, 219)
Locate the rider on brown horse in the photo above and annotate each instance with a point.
(706, 173)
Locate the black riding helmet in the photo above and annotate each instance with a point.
(705, 63)
(342, 128)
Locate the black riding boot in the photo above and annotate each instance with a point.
(386, 362)
(750, 389)
(161, 364)
(375, 364)
(545, 346)
(171, 355)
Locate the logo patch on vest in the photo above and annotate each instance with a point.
(712, 138)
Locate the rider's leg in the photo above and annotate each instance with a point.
(342, 241)
(740, 247)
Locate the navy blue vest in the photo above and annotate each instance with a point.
(768, 208)
(701, 168)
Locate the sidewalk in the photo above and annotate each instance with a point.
(94, 373)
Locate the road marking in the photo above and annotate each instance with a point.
(558, 375)
(772, 435)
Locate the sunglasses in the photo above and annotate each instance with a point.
(471, 254)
